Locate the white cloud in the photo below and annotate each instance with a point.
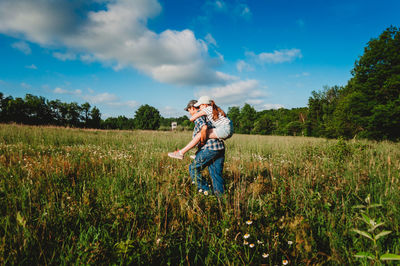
(235, 93)
(110, 100)
(210, 39)
(116, 36)
(59, 90)
(101, 98)
(25, 85)
(31, 67)
(232, 8)
(244, 11)
(104, 98)
(129, 104)
(87, 58)
(64, 56)
(219, 4)
(169, 111)
(241, 65)
(255, 101)
(269, 106)
(278, 56)
(22, 46)
(303, 74)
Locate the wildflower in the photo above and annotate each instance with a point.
(246, 236)
(290, 242)
(251, 245)
(245, 242)
(285, 262)
(259, 242)
(249, 222)
(206, 193)
(158, 241)
(265, 255)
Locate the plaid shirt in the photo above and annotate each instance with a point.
(211, 144)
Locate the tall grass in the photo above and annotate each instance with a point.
(115, 197)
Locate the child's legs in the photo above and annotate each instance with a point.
(210, 134)
(191, 144)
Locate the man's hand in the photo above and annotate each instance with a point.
(203, 136)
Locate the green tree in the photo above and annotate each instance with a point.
(321, 108)
(16, 111)
(234, 116)
(37, 110)
(86, 108)
(73, 114)
(263, 125)
(95, 118)
(373, 93)
(294, 128)
(147, 117)
(247, 118)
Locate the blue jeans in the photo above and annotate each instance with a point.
(214, 160)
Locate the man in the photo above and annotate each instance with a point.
(210, 153)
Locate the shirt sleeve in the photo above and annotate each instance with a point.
(198, 124)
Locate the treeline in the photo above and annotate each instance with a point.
(34, 110)
(247, 120)
(367, 107)
(37, 110)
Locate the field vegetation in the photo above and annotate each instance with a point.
(75, 196)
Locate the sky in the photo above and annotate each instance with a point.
(121, 54)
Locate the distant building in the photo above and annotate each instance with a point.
(174, 125)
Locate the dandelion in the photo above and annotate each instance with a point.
(251, 245)
(249, 222)
(290, 242)
(246, 236)
(265, 255)
(245, 242)
(285, 262)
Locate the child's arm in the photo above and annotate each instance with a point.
(197, 115)
(203, 136)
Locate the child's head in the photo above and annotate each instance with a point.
(203, 102)
(202, 106)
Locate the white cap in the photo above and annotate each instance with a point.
(203, 100)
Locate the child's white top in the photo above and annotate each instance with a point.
(222, 120)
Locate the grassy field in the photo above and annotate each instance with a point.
(71, 196)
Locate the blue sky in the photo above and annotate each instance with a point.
(120, 54)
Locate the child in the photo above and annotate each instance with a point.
(223, 128)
